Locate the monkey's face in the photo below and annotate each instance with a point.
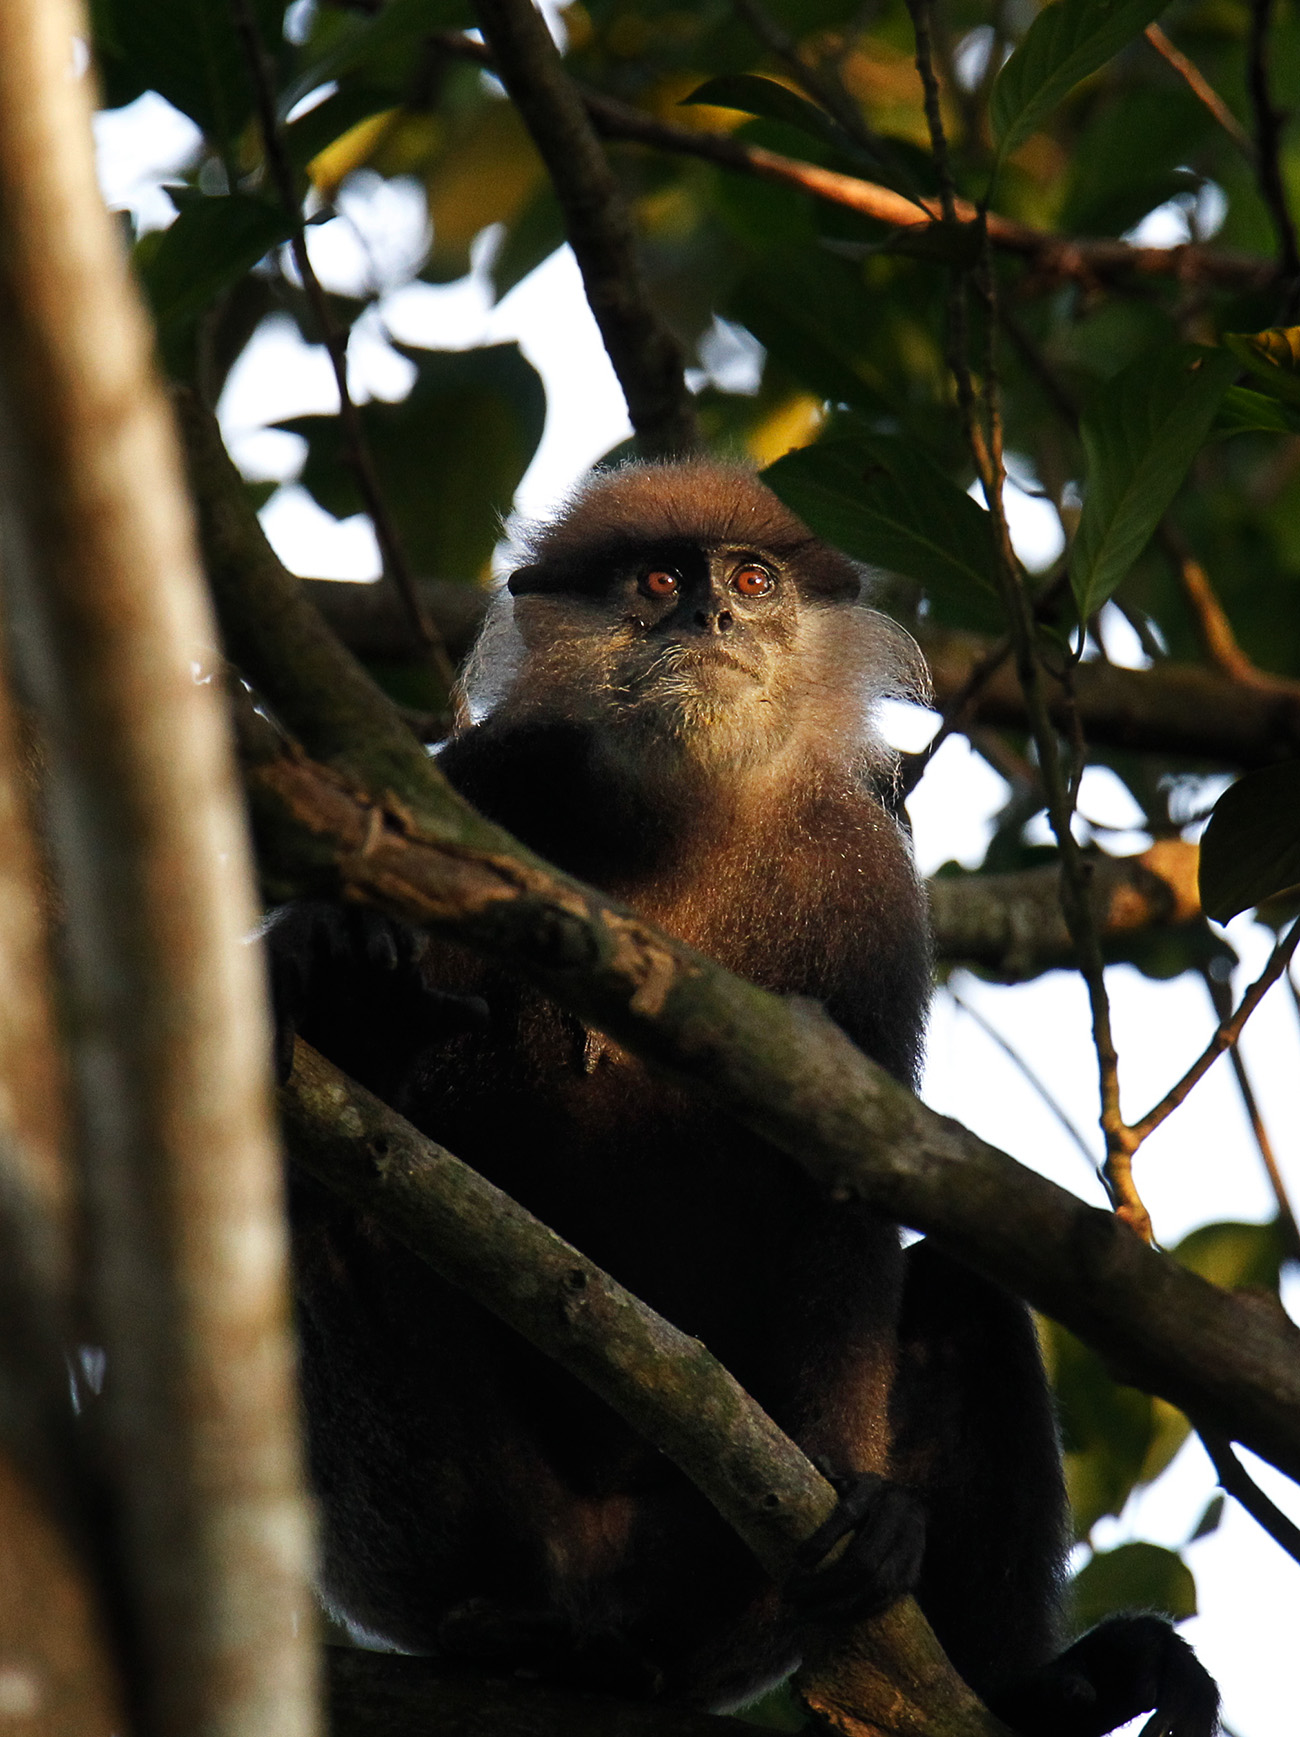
(679, 643)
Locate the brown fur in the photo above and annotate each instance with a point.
(723, 777)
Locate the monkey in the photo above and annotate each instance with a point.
(675, 699)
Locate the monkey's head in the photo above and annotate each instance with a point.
(683, 610)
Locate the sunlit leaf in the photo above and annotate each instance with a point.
(449, 457)
(883, 501)
(1251, 848)
(1273, 357)
(1133, 1577)
(1234, 1255)
(1066, 42)
(1140, 435)
(765, 97)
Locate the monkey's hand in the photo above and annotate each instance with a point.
(1119, 1669)
(884, 1525)
(351, 981)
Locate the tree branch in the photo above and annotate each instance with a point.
(1224, 1037)
(1169, 709)
(672, 1390)
(1201, 89)
(163, 1003)
(646, 356)
(1011, 924)
(1080, 258)
(1234, 1478)
(782, 1068)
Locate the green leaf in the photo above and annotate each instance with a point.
(209, 247)
(449, 457)
(1107, 1430)
(190, 52)
(772, 101)
(1066, 42)
(356, 40)
(1209, 1520)
(812, 314)
(1251, 848)
(884, 501)
(1273, 356)
(1140, 435)
(1245, 412)
(1234, 1255)
(1133, 1577)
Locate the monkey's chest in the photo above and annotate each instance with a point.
(711, 1226)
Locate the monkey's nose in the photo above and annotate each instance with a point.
(719, 623)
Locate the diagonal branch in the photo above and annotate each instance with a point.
(1224, 1038)
(1201, 89)
(1081, 258)
(646, 356)
(668, 1386)
(785, 1070)
(1234, 1478)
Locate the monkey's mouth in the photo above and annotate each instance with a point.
(684, 655)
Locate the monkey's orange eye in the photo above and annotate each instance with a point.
(753, 581)
(661, 583)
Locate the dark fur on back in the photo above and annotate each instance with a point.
(701, 502)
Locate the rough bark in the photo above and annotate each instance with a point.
(164, 1007)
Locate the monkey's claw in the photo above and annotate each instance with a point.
(884, 1525)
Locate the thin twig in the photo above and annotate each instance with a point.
(986, 446)
(1221, 999)
(645, 355)
(1210, 619)
(911, 767)
(1223, 1039)
(1236, 1480)
(1201, 89)
(356, 451)
(1268, 154)
(1018, 1061)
